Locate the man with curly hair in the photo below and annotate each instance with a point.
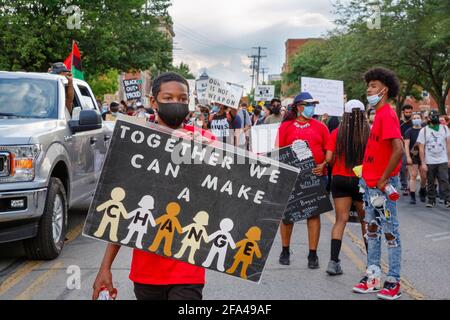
(381, 166)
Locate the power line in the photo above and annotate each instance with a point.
(258, 62)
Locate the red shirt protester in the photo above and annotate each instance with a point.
(150, 268)
(314, 132)
(339, 168)
(379, 148)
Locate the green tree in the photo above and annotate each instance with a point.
(184, 70)
(118, 34)
(106, 83)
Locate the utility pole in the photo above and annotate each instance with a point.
(263, 71)
(253, 67)
(258, 63)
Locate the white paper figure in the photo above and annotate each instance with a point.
(141, 217)
(112, 210)
(195, 232)
(222, 238)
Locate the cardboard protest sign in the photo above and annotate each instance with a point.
(309, 197)
(224, 93)
(330, 94)
(132, 89)
(200, 88)
(210, 205)
(263, 137)
(264, 93)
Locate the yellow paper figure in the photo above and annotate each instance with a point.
(113, 209)
(169, 224)
(195, 232)
(248, 248)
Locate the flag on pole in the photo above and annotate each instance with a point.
(73, 62)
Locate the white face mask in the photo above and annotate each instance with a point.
(375, 99)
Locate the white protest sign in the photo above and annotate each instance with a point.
(200, 88)
(224, 93)
(191, 94)
(330, 94)
(263, 137)
(264, 93)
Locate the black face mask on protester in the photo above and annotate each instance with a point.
(173, 114)
(276, 110)
(434, 120)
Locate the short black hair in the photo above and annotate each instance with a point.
(275, 100)
(114, 106)
(164, 78)
(385, 76)
(407, 107)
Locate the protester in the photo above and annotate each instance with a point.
(123, 107)
(111, 114)
(434, 151)
(245, 124)
(381, 166)
(61, 69)
(156, 277)
(413, 159)
(276, 116)
(405, 125)
(223, 123)
(259, 115)
(299, 125)
(141, 112)
(346, 146)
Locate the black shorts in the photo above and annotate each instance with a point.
(168, 292)
(346, 187)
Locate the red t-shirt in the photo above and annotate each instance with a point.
(339, 168)
(150, 268)
(314, 132)
(379, 147)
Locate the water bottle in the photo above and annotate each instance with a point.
(104, 294)
(391, 192)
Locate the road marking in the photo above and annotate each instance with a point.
(27, 294)
(29, 266)
(441, 238)
(407, 286)
(437, 234)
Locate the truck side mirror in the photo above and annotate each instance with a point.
(88, 120)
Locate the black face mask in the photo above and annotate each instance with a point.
(173, 114)
(407, 118)
(276, 110)
(434, 120)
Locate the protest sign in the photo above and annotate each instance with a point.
(224, 93)
(200, 88)
(330, 94)
(264, 93)
(132, 89)
(161, 192)
(309, 197)
(191, 95)
(263, 137)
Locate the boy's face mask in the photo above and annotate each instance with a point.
(173, 114)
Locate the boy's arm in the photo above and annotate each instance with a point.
(232, 244)
(104, 275)
(103, 206)
(257, 251)
(396, 156)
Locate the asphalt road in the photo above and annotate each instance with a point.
(425, 235)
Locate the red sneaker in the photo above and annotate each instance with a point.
(368, 285)
(391, 291)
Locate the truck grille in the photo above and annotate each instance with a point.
(4, 165)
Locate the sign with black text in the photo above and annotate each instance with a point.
(264, 93)
(132, 89)
(207, 204)
(309, 197)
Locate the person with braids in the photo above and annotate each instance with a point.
(345, 150)
(300, 125)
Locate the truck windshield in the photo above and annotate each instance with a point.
(28, 98)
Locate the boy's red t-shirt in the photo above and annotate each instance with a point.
(150, 268)
(386, 127)
(314, 132)
(339, 168)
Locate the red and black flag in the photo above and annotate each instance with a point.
(73, 62)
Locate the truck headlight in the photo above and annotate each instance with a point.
(21, 162)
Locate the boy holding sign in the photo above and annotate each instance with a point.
(156, 277)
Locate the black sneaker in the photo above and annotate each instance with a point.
(405, 192)
(431, 204)
(284, 258)
(313, 262)
(423, 194)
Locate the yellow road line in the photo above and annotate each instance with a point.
(27, 294)
(29, 266)
(407, 286)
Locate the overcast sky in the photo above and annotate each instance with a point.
(219, 34)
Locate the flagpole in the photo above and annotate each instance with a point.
(71, 65)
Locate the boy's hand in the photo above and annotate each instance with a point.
(103, 280)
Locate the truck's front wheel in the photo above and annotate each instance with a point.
(49, 241)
